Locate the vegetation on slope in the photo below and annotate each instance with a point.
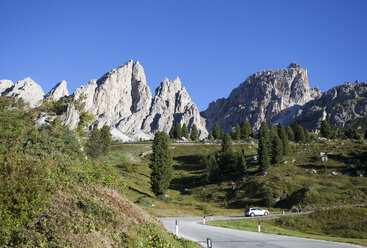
(300, 181)
(51, 195)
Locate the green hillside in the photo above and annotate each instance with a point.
(302, 181)
(51, 195)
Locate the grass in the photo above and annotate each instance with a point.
(51, 195)
(292, 181)
(347, 225)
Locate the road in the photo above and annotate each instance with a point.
(229, 238)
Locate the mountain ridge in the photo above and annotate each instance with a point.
(122, 99)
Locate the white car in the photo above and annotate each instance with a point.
(255, 211)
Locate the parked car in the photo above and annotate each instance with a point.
(255, 211)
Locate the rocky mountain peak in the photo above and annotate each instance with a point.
(28, 90)
(294, 65)
(122, 99)
(58, 92)
(262, 97)
(338, 105)
(4, 85)
(172, 104)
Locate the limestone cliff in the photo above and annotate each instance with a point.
(262, 97)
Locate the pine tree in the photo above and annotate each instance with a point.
(106, 139)
(277, 150)
(210, 136)
(245, 129)
(264, 159)
(194, 132)
(307, 135)
(212, 168)
(222, 134)
(236, 135)
(290, 133)
(185, 131)
(264, 133)
(177, 131)
(226, 155)
(365, 134)
(94, 146)
(171, 132)
(299, 134)
(272, 133)
(272, 129)
(160, 164)
(241, 162)
(284, 138)
(326, 130)
(216, 131)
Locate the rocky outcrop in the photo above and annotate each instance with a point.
(172, 104)
(58, 92)
(262, 97)
(122, 100)
(338, 105)
(28, 90)
(4, 85)
(72, 116)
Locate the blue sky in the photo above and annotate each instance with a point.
(211, 45)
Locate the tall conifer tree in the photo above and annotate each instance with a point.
(264, 159)
(216, 131)
(284, 138)
(185, 131)
(194, 132)
(160, 164)
(277, 150)
(245, 129)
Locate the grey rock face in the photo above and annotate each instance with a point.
(262, 97)
(122, 100)
(173, 104)
(71, 119)
(338, 105)
(86, 93)
(58, 92)
(28, 90)
(44, 119)
(4, 85)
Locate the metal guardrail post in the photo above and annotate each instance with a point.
(209, 242)
(176, 230)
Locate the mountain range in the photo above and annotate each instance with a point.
(122, 100)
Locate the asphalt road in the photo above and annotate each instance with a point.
(229, 238)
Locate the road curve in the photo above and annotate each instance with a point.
(230, 238)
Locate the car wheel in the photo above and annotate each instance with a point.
(266, 213)
(252, 214)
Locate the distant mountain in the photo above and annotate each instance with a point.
(122, 100)
(338, 106)
(262, 97)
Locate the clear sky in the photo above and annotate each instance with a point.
(211, 45)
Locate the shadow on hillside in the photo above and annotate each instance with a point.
(189, 159)
(140, 192)
(187, 182)
(320, 167)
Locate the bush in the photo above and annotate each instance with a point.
(145, 201)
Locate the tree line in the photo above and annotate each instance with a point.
(177, 131)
